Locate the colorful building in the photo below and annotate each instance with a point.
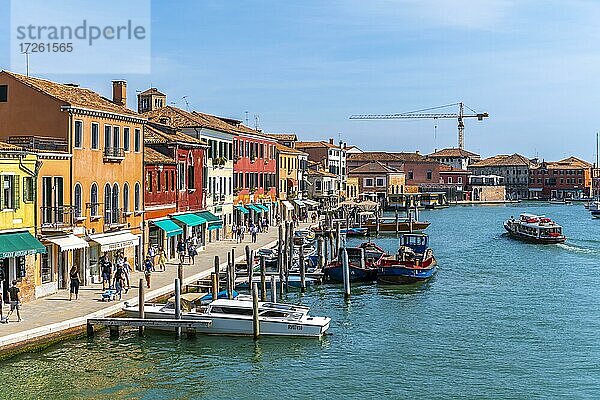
(376, 181)
(288, 164)
(104, 139)
(565, 179)
(513, 168)
(455, 157)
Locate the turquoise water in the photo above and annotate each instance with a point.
(502, 319)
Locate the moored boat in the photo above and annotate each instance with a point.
(354, 231)
(389, 224)
(234, 317)
(535, 229)
(364, 270)
(413, 263)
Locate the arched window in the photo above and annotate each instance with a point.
(137, 196)
(107, 204)
(125, 197)
(94, 199)
(115, 204)
(77, 200)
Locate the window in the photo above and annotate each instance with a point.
(28, 189)
(410, 175)
(166, 181)
(172, 181)
(137, 141)
(3, 93)
(94, 199)
(10, 192)
(158, 180)
(149, 186)
(126, 139)
(136, 194)
(77, 200)
(78, 141)
(429, 174)
(116, 137)
(190, 177)
(125, 197)
(107, 203)
(46, 267)
(107, 136)
(368, 182)
(449, 179)
(459, 179)
(380, 182)
(95, 135)
(115, 203)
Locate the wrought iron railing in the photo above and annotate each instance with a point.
(58, 217)
(114, 153)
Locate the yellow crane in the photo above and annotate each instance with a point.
(426, 114)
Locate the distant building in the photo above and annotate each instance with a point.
(376, 180)
(513, 168)
(353, 150)
(286, 139)
(331, 158)
(455, 157)
(322, 187)
(565, 179)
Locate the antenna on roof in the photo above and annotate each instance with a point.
(187, 105)
(246, 112)
(256, 118)
(27, 63)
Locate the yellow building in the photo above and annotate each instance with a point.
(18, 246)
(287, 181)
(352, 188)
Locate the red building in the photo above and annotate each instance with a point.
(565, 179)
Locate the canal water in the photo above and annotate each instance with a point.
(502, 319)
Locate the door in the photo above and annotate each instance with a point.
(4, 278)
(62, 270)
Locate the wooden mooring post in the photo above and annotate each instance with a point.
(217, 272)
(141, 297)
(345, 271)
(280, 259)
(228, 277)
(337, 237)
(263, 279)
(273, 289)
(180, 273)
(320, 245)
(396, 215)
(178, 304)
(215, 285)
(233, 273)
(301, 267)
(255, 320)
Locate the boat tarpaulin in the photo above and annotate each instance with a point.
(68, 242)
(110, 242)
(189, 219)
(287, 205)
(243, 209)
(18, 244)
(170, 227)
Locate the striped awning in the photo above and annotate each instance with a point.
(19, 244)
(189, 219)
(170, 227)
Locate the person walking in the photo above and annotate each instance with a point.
(13, 297)
(152, 254)
(75, 280)
(106, 268)
(234, 232)
(192, 252)
(148, 269)
(242, 230)
(119, 281)
(181, 251)
(254, 232)
(162, 260)
(127, 274)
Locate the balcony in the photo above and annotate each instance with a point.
(57, 219)
(218, 198)
(114, 154)
(114, 218)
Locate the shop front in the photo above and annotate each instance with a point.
(255, 213)
(111, 245)
(215, 226)
(63, 252)
(242, 214)
(287, 210)
(17, 262)
(164, 234)
(300, 209)
(192, 225)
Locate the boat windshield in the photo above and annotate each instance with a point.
(230, 310)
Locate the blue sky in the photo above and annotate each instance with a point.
(305, 66)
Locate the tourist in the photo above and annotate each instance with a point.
(119, 281)
(254, 232)
(181, 251)
(152, 254)
(106, 268)
(195, 241)
(127, 273)
(242, 231)
(314, 217)
(13, 297)
(234, 232)
(192, 252)
(162, 260)
(74, 276)
(265, 225)
(148, 269)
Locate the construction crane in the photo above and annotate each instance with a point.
(424, 114)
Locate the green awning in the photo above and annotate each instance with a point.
(190, 219)
(170, 227)
(254, 208)
(207, 215)
(19, 244)
(265, 208)
(243, 209)
(215, 225)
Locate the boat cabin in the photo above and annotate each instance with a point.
(537, 226)
(417, 242)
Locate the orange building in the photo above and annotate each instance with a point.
(99, 200)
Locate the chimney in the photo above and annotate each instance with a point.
(120, 93)
(330, 140)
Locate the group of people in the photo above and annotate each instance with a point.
(188, 248)
(239, 231)
(115, 276)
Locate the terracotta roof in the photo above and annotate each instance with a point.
(152, 156)
(283, 136)
(321, 173)
(448, 168)
(567, 163)
(412, 157)
(158, 133)
(153, 91)
(372, 167)
(307, 145)
(373, 156)
(73, 95)
(453, 152)
(503, 160)
(288, 150)
(178, 118)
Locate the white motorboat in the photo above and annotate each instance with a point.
(234, 317)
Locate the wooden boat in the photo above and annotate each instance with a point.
(293, 281)
(388, 224)
(360, 270)
(355, 231)
(594, 208)
(535, 229)
(413, 263)
(561, 201)
(234, 317)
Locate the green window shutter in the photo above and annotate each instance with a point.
(16, 192)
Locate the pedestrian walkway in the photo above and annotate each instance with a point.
(56, 313)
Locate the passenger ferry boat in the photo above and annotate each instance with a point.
(535, 228)
(413, 263)
(234, 317)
